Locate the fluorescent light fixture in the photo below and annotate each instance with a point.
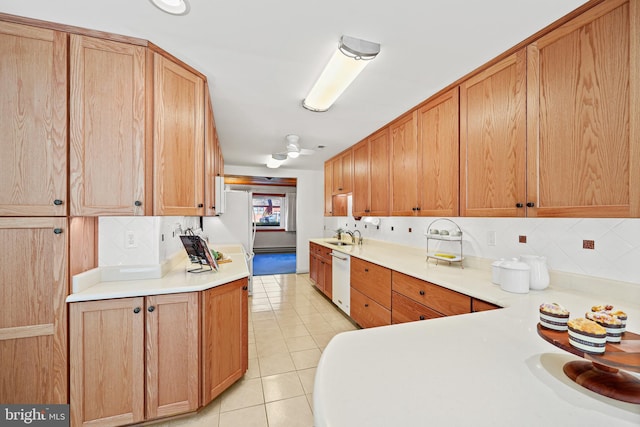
(343, 67)
(174, 7)
(275, 160)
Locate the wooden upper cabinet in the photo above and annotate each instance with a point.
(404, 166)
(328, 188)
(371, 175)
(439, 146)
(493, 140)
(33, 121)
(33, 319)
(213, 158)
(583, 114)
(342, 170)
(178, 139)
(110, 134)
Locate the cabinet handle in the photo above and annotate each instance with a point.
(366, 270)
(57, 202)
(244, 288)
(137, 203)
(418, 208)
(150, 309)
(519, 205)
(421, 292)
(367, 210)
(421, 317)
(530, 204)
(212, 207)
(339, 188)
(136, 310)
(57, 231)
(200, 205)
(366, 305)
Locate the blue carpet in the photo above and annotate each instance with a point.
(264, 264)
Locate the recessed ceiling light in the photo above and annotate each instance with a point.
(174, 7)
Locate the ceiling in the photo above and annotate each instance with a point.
(262, 57)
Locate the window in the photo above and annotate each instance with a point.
(267, 210)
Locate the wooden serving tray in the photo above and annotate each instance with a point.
(601, 373)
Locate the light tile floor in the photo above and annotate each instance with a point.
(290, 323)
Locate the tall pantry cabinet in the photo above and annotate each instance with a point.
(33, 121)
(33, 206)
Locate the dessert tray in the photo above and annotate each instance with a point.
(603, 373)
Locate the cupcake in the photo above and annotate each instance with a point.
(554, 316)
(612, 324)
(608, 309)
(587, 335)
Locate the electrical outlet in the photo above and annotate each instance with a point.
(491, 238)
(130, 240)
(588, 244)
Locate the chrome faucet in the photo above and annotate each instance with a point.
(350, 233)
(359, 236)
(353, 237)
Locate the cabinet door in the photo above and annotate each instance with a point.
(379, 173)
(33, 318)
(342, 173)
(313, 263)
(366, 312)
(33, 121)
(327, 286)
(172, 354)
(110, 146)
(361, 181)
(224, 337)
(178, 140)
(404, 166)
(493, 140)
(584, 92)
(372, 280)
(328, 188)
(212, 157)
(107, 356)
(439, 146)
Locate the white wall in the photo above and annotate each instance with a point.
(617, 241)
(310, 198)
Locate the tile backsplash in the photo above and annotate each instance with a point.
(140, 240)
(615, 255)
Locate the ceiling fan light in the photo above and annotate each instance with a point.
(173, 7)
(343, 68)
(274, 161)
(293, 154)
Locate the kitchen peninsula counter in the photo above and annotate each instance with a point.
(482, 369)
(91, 285)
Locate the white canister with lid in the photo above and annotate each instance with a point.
(514, 277)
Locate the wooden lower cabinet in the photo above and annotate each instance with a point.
(407, 310)
(479, 305)
(415, 299)
(109, 383)
(33, 317)
(370, 293)
(366, 312)
(225, 332)
(320, 268)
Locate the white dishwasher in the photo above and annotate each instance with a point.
(341, 280)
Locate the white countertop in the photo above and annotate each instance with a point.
(481, 369)
(175, 281)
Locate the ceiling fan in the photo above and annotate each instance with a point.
(293, 149)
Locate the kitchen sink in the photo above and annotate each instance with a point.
(340, 243)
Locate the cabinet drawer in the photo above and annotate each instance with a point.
(440, 299)
(366, 312)
(372, 280)
(407, 310)
(479, 305)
